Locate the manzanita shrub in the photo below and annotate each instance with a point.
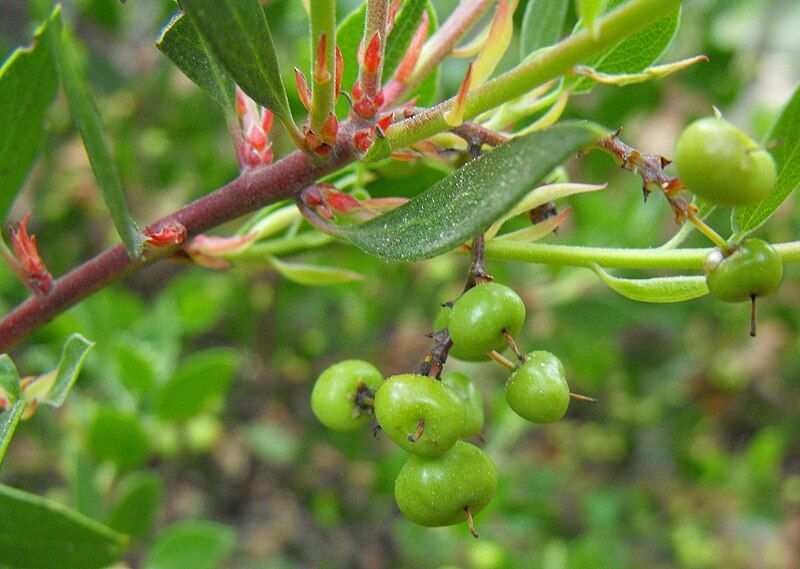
(371, 97)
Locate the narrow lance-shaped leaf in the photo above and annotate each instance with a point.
(313, 275)
(635, 53)
(180, 41)
(472, 198)
(73, 355)
(38, 533)
(785, 133)
(28, 83)
(656, 290)
(9, 419)
(237, 33)
(542, 24)
(89, 123)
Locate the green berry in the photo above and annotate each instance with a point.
(419, 413)
(472, 398)
(437, 491)
(443, 321)
(480, 316)
(753, 269)
(333, 399)
(720, 164)
(537, 391)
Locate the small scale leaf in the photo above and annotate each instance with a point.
(199, 380)
(9, 378)
(542, 24)
(468, 201)
(191, 545)
(89, 123)
(41, 534)
(73, 355)
(656, 290)
(8, 424)
(237, 33)
(135, 509)
(180, 41)
(313, 275)
(785, 132)
(28, 83)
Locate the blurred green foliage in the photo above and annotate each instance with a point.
(195, 401)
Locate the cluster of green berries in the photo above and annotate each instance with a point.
(446, 480)
(722, 165)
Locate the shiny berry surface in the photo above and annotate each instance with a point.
(538, 390)
(472, 398)
(333, 399)
(753, 269)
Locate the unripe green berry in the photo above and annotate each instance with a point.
(472, 398)
(333, 399)
(720, 164)
(753, 269)
(537, 391)
(480, 316)
(436, 491)
(419, 413)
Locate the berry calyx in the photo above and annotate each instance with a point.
(337, 399)
(446, 489)
(472, 398)
(481, 316)
(537, 391)
(720, 164)
(419, 413)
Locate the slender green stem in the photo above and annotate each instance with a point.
(323, 24)
(628, 19)
(617, 258)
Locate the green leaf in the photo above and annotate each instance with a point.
(313, 275)
(135, 509)
(351, 30)
(199, 380)
(468, 201)
(8, 424)
(28, 83)
(191, 545)
(237, 33)
(542, 24)
(180, 41)
(118, 437)
(633, 54)
(657, 290)
(9, 378)
(786, 133)
(89, 123)
(40, 534)
(73, 355)
(135, 369)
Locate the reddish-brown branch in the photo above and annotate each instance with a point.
(253, 190)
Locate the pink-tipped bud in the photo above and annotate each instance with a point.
(339, 70)
(321, 74)
(33, 270)
(362, 140)
(172, 233)
(385, 122)
(267, 120)
(372, 55)
(316, 144)
(330, 128)
(342, 202)
(455, 116)
(302, 89)
(256, 138)
(405, 155)
(409, 61)
(241, 102)
(395, 6)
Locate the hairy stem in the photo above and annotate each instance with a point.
(630, 18)
(323, 25)
(615, 258)
(377, 20)
(253, 190)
